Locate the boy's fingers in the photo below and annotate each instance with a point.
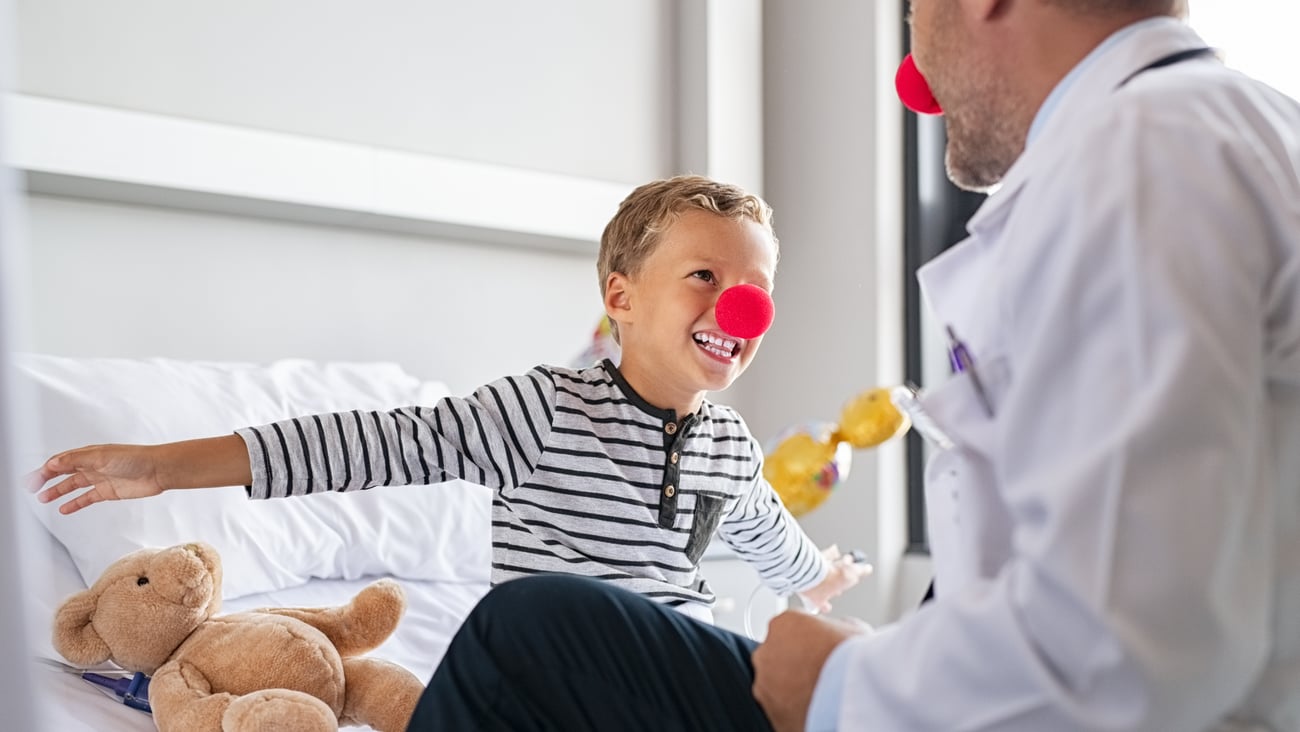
(37, 478)
(42, 475)
(860, 569)
(80, 502)
(53, 468)
(63, 488)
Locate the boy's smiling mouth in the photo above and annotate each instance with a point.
(721, 347)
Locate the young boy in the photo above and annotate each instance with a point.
(624, 473)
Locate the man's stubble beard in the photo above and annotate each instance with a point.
(986, 126)
(985, 137)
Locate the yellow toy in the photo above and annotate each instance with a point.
(602, 346)
(810, 460)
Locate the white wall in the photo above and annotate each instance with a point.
(515, 84)
(1256, 37)
(833, 175)
(571, 86)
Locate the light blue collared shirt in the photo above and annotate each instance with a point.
(824, 711)
(1058, 93)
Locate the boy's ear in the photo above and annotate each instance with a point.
(618, 298)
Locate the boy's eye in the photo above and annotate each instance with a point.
(705, 275)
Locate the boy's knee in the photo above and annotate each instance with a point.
(540, 598)
(541, 592)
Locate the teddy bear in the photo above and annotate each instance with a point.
(292, 669)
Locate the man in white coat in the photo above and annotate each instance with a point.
(1115, 513)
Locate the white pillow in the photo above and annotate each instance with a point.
(436, 532)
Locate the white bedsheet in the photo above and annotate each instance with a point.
(434, 612)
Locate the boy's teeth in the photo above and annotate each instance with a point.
(724, 347)
(718, 351)
(717, 341)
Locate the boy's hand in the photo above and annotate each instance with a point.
(112, 472)
(844, 573)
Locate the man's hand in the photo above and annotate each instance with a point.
(788, 662)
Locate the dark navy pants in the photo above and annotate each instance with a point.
(567, 654)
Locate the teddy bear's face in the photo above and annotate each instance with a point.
(141, 608)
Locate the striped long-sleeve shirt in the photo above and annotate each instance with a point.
(588, 478)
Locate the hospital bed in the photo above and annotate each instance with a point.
(309, 551)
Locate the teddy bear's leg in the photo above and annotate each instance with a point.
(282, 710)
(380, 694)
(359, 626)
(182, 700)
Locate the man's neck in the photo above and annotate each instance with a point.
(1062, 40)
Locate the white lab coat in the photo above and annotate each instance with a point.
(1119, 546)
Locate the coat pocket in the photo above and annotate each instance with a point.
(968, 524)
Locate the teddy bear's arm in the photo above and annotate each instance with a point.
(75, 636)
(359, 626)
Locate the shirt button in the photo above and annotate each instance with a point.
(673, 458)
(671, 428)
(669, 491)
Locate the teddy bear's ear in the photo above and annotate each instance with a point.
(74, 635)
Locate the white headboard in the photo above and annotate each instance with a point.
(111, 279)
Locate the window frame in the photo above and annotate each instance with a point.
(935, 213)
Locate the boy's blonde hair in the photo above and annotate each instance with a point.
(648, 211)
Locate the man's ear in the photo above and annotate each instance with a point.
(982, 10)
(618, 297)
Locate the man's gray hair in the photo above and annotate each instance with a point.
(1106, 7)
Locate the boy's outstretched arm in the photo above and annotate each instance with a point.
(114, 472)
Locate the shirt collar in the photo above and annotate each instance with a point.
(665, 415)
(1058, 92)
(1090, 84)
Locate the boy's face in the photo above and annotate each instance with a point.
(672, 347)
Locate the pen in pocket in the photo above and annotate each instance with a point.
(963, 362)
